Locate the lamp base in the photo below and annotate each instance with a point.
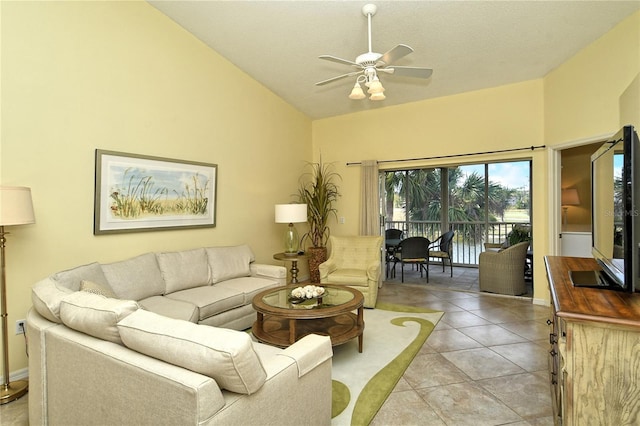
(13, 391)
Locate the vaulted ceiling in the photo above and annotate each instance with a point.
(470, 45)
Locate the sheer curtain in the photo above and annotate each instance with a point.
(370, 203)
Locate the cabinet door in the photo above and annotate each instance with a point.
(604, 374)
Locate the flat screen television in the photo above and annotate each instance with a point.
(615, 207)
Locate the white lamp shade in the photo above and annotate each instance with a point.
(375, 86)
(291, 213)
(357, 92)
(16, 207)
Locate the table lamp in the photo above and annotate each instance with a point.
(291, 213)
(569, 198)
(16, 208)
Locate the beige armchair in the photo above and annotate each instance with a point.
(356, 262)
(503, 271)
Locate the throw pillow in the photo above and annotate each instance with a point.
(95, 288)
(229, 262)
(225, 355)
(95, 315)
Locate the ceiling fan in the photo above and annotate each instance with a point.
(371, 63)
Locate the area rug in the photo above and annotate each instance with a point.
(393, 336)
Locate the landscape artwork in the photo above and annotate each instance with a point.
(135, 193)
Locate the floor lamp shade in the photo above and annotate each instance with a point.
(291, 213)
(16, 208)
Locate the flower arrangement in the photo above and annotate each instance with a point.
(307, 292)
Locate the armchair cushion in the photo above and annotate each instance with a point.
(355, 261)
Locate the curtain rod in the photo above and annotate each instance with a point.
(454, 155)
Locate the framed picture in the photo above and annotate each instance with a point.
(135, 193)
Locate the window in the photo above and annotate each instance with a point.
(482, 203)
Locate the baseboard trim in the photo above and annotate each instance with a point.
(17, 375)
(541, 302)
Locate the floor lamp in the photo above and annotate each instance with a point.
(16, 208)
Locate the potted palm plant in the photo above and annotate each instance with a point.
(319, 191)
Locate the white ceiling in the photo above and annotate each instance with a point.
(470, 45)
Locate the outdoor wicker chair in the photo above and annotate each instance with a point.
(503, 271)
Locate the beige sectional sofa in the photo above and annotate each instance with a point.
(156, 340)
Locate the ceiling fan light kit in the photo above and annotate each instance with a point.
(370, 63)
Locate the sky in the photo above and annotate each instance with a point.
(510, 175)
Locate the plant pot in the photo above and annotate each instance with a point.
(317, 255)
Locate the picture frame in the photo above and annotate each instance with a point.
(137, 193)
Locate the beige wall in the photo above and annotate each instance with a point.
(121, 76)
(582, 97)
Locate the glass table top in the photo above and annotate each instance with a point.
(333, 296)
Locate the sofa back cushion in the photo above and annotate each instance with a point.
(71, 278)
(46, 296)
(135, 278)
(95, 315)
(225, 355)
(183, 269)
(229, 262)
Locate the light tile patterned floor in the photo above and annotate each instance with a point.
(484, 364)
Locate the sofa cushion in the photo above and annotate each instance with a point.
(183, 269)
(210, 300)
(96, 288)
(355, 277)
(229, 262)
(71, 278)
(94, 314)
(135, 278)
(171, 308)
(248, 286)
(46, 296)
(225, 355)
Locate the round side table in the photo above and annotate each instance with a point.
(294, 263)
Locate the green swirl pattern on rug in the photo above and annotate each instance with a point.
(378, 388)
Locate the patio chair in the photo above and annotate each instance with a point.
(503, 271)
(392, 238)
(441, 249)
(413, 251)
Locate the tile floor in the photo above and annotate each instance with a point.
(484, 364)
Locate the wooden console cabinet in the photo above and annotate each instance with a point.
(595, 349)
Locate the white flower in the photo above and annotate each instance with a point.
(307, 292)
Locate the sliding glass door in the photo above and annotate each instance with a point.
(481, 202)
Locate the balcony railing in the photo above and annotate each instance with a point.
(469, 238)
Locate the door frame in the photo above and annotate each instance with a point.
(554, 213)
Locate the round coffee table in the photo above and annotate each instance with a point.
(281, 323)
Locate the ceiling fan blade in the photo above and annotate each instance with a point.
(329, 80)
(338, 60)
(415, 72)
(400, 51)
